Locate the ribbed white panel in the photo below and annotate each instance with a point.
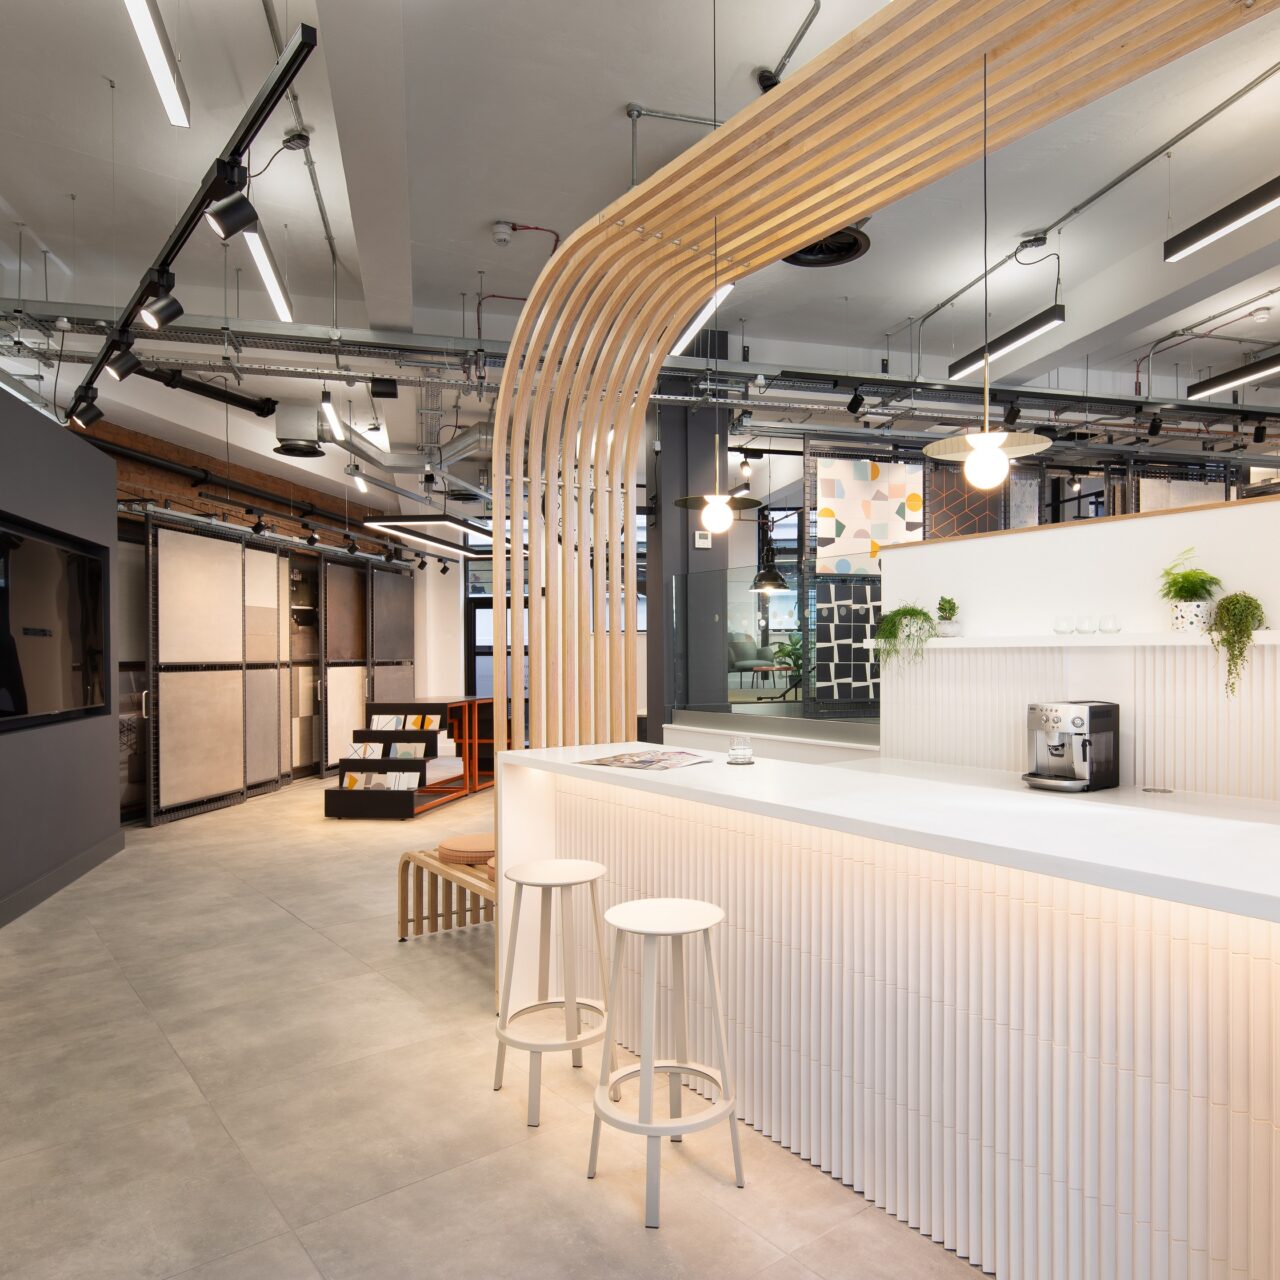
(1179, 728)
(1054, 1080)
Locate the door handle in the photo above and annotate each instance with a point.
(144, 705)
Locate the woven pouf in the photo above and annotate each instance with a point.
(468, 851)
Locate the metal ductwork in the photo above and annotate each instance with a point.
(477, 438)
(298, 431)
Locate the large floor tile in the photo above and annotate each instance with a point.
(542, 1218)
(283, 1258)
(240, 1047)
(875, 1246)
(119, 1073)
(46, 1008)
(142, 1201)
(288, 957)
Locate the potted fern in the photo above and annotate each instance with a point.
(948, 625)
(1190, 591)
(902, 634)
(1235, 618)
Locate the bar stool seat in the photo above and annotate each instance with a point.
(653, 919)
(467, 850)
(552, 877)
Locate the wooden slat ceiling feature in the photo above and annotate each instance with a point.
(894, 106)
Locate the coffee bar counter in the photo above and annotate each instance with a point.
(1042, 1029)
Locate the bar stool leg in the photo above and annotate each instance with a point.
(680, 1024)
(606, 994)
(417, 900)
(722, 1050)
(505, 1005)
(544, 987)
(610, 1021)
(402, 898)
(569, 978)
(648, 1021)
(433, 902)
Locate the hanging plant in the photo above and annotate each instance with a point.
(902, 634)
(1231, 628)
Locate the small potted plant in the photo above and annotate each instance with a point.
(1235, 618)
(947, 623)
(902, 634)
(1190, 591)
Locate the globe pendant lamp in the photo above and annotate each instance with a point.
(985, 454)
(716, 510)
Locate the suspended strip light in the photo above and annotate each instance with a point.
(445, 521)
(154, 39)
(701, 318)
(396, 529)
(1236, 215)
(272, 280)
(354, 472)
(1048, 319)
(331, 417)
(1258, 371)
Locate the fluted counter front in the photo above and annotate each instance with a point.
(1044, 1030)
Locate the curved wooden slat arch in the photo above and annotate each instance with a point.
(893, 106)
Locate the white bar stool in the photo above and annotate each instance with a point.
(563, 874)
(653, 919)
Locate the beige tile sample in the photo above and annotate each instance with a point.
(261, 606)
(201, 728)
(262, 724)
(199, 598)
(344, 710)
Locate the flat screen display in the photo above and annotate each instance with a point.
(52, 626)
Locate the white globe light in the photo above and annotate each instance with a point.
(717, 515)
(987, 464)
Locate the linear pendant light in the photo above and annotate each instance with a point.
(701, 318)
(1049, 318)
(154, 39)
(1258, 371)
(272, 280)
(1231, 218)
(395, 529)
(331, 417)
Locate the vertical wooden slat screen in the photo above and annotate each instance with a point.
(893, 106)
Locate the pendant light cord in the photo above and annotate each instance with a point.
(986, 276)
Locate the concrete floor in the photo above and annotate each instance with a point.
(216, 1061)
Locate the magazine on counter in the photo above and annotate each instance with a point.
(654, 760)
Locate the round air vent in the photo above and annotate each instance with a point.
(833, 250)
(299, 449)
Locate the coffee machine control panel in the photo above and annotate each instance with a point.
(1058, 717)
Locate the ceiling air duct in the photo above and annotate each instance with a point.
(834, 249)
(298, 431)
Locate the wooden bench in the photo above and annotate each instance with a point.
(444, 906)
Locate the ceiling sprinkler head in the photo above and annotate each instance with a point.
(502, 233)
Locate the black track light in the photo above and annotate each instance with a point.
(351, 547)
(1075, 484)
(389, 556)
(856, 401)
(422, 562)
(160, 311)
(259, 526)
(123, 364)
(86, 414)
(444, 567)
(744, 468)
(231, 215)
(1157, 425)
(1011, 414)
(312, 540)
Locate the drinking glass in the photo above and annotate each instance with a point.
(1109, 624)
(740, 750)
(1086, 624)
(1064, 625)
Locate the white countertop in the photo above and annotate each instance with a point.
(1203, 850)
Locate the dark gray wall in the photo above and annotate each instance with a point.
(688, 621)
(59, 783)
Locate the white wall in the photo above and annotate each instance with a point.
(1015, 584)
(438, 639)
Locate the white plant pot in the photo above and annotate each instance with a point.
(949, 628)
(1191, 615)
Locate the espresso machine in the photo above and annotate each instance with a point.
(1073, 746)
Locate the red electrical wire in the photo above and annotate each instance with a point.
(482, 299)
(528, 226)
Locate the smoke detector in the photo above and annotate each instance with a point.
(1260, 315)
(502, 232)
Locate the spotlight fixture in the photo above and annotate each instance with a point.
(389, 556)
(744, 467)
(272, 280)
(122, 365)
(768, 579)
(1157, 425)
(1011, 414)
(86, 413)
(695, 326)
(230, 215)
(1258, 371)
(312, 539)
(1260, 433)
(1228, 219)
(259, 526)
(1075, 484)
(1050, 318)
(351, 547)
(162, 310)
(331, 417)
(154, 39)
(856, 401)
(422, 562)
(444, 568)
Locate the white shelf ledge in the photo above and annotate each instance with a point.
(1121, 640)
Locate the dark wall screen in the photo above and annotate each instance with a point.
(53, 620)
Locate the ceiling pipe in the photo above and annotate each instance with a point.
(767, 79)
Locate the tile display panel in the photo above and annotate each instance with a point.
(304, 736)
(392, 616)
(344, 612)
(862, 505)
(393, 684)
(343, 707)
(844, 622)
(261, 606)
(200, 735)
(957, 508)
(262, 725)
(199, 595)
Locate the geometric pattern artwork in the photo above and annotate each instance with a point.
(863, 505)
(844, 665)
(957, 508)
(1024, 500)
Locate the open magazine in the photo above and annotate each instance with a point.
(651, 760)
